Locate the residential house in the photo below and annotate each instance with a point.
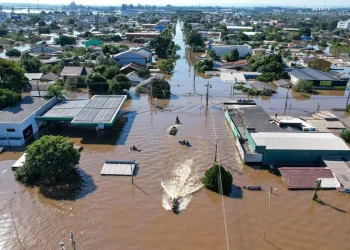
(82, 23)
(49, 77)
(45, 50)
(134, 78)
(69, 71)
(93, 42)
(130, 56)
(131, 67)
(316, 63)
(237, 28)
(131, 36)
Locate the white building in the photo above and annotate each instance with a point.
(18, 124)
(236, 28)
(130, 56)
(344, 25)
(243, 50)
(97, 19)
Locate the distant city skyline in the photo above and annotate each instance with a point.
(240, 3)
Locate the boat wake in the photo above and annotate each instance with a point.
(182, 181)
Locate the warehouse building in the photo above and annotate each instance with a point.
(260, 139)
(320, 79)
(219, 49)
(296, 148)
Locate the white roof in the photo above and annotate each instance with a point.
(19, 163)
(240, 27)
(232, 77)
(33, 76)
(299, 141)
(329, 182)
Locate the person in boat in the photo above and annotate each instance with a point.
(184, 142)
(134, 147)
(177, 119)
(187, 143)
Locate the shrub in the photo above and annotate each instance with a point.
(345, 135)
(211, 179)
(167, 66)
(160, 88)
(9, 98)
(143, 72)
(13, 52)
(141, 90)
(304, 86)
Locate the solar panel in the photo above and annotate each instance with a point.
(104, 115)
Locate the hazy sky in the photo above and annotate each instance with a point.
(308, 3)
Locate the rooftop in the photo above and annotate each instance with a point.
(87, 112)
(340, 167)
(299, 141)
(19, 113)
(311, 74)
(306, 177)
(255, 118)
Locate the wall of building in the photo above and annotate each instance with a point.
(127, 58)
(16, 138)
(298, 157)
(243, 50)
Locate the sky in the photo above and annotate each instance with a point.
(296, 3)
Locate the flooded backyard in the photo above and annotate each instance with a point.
(109, 212)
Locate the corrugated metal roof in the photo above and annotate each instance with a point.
(304, 177)
(299, 141)
(311, 74)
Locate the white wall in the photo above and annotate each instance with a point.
(243, 50)
(19, 127)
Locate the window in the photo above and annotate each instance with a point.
(11, 130)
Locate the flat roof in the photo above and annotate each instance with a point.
(118, 168)
(23, 110)
(261, 86)
(311, 74)
(299, 141)
(254, 118)
(99, 109)
(340, 167)
(232, 77)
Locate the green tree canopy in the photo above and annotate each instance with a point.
(13, 52)
(30, 63)
(49, 160)
(304, 86)
(119, 83)
(232, 56)
(345, 135)
(44, 30)
(143, 72)
(167, 66)
(55, 90)
(46, 68)
(205, 65)
(111, 72)
(193, 39)
(212, 177)
(97, 82)
(9, 98)
(159, 88)
(11, 75)
(63, 40)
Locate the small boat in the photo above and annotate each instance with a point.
(186, 143)
(133, 148)
(174, 204)
(252, 187)
(173, 131)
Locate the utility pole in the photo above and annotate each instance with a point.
(37, 84)
(286, 99)
(207, 95)
(72, 240)
(268, 215)
(194, 81)
(347, 101)
(132, 174)
(216, 150)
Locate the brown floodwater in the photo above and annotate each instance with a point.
(111, 213)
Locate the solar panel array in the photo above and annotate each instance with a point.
(98, 109)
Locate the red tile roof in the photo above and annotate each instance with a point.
(303, 177)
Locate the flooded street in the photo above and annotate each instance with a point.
(109, 212)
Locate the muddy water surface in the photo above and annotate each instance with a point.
(111, 213)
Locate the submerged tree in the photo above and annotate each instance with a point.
(49, 161)
(213, 180)
(318, 187)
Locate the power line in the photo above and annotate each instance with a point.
(221, 188)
